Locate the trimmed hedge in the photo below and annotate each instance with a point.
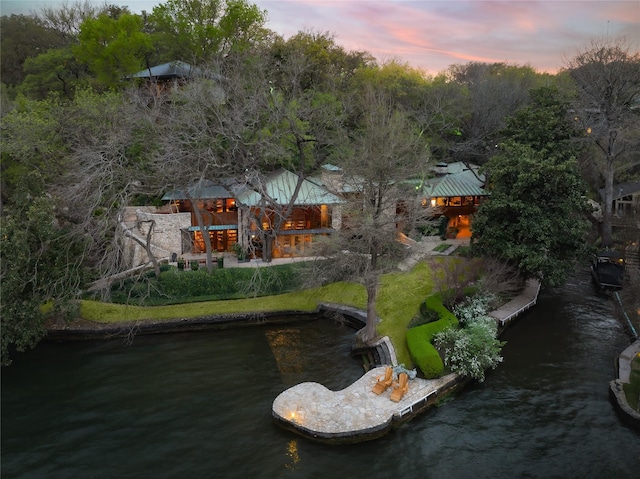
(422, 352)
(176, 285)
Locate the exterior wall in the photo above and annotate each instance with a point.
(166, 237)
(167, 229)
(627, 205)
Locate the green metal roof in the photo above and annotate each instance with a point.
(202, 190)
(280, 187)
(454, 185)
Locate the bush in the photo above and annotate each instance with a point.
(175, 285)
(474, 307)
(425, 316)
(423, 354)
(469, 351)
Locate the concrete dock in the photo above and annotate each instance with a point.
(354, 414)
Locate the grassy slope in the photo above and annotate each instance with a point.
(398, 301)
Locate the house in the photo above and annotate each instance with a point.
(314, 211)
(626, 199)
(215, 204)
(457, 189)
(231, 212)
(166, 77)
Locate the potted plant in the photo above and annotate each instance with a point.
(180, 263)
(240, 253)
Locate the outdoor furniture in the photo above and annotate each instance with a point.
(400, 388)
(384, 381)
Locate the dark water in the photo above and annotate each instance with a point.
(199, 406)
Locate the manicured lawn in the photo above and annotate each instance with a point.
(442, 247)
(398, 302)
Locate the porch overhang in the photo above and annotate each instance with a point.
(214, 228)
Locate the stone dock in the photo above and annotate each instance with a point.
(356, 414)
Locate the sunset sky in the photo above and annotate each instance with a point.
(435, 34)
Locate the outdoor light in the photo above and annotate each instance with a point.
(433, 201)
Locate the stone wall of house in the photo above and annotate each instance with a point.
(166, 236)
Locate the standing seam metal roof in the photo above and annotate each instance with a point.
(453, 185)
(281, 185)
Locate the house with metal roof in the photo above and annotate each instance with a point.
(287, 210)
(456, 191)
(215, 204)
(164, 78)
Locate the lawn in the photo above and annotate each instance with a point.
(398, 301)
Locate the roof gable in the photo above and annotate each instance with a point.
(175, 69)
(280, 186)
(460, 180)
(453, 185)
(204, 189)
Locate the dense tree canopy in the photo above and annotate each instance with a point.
(23, 37)
(536, 215)
(41, 263)
(113, 47)
(196, 31)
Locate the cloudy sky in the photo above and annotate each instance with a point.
(435, 34)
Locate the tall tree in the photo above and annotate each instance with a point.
(535, 218)
(67, 17)
(607, 78)
(54, 71)
(113, 47)
(40, 263)
(314, 61)
(33, 151)
(109, 142)
(387, 152)
(196, 31)
(22, 37)
(492, 92)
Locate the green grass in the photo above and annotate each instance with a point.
(343, 293)
(399, 299)
(632, 389)
(442, 247)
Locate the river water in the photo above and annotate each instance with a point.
(198, 405)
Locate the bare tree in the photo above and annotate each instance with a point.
(108, 166)
(239, 123)
(67, 17)
(607, 77)
(490, 94)
(388, 151)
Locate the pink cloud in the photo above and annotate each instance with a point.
(435, 34)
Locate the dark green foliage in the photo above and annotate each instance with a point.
(40, 264)
(425, 316)
(423, 354)
(177, 286)
(535, 218)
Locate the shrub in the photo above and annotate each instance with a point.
(473, 307)
(422, 352)
(175, 285)
(469, 351)
(425, 316)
